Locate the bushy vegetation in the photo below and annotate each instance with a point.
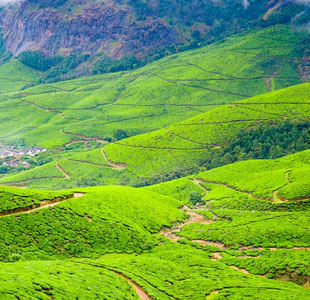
(265, 141)
(121, 104)
(38, 61)
(290, 264)
(257, 229)
(107, 219)
(179, 271)
(15, 199)
(61, 280)
(202, 140)
(265, 179)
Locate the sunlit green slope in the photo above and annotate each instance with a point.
(257, 212)
(61, 280)
(14, 76)
(105, 219)
(157, 95)
(253, 184)
(189, 143)
(179, 148)
(253, 217)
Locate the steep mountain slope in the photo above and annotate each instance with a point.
(15, 76)
(131, 27)
(98, 108)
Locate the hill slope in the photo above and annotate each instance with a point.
(191, 142)
(98, 108)
(162, 93)
(93, 222)
(235, 231)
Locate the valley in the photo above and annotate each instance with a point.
(154, 150)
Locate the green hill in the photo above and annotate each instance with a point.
(157, 95)
(61, 280)
(190, 143)
(160, 95)
(256, 215)
(14, 76)
(180, 148)
(251, 219)
(106, 219)
(184, 179)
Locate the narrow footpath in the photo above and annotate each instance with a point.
(43, 204)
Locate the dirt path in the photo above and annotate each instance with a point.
(91, 164)
(43, 204)
(194, 218)
(212, 295)
(139, 290)
(84, 137)
(67, 176)
(244, 271)
(116, 166)
(276, 197)
(199, 183)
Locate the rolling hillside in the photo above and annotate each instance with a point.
(186, 178)
(256, 215)
(183, 147)
(191, 142)
(128, 240)
(158, 95)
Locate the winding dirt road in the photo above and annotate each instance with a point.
(116, 166)
(194, 218)
(139, 290)
(67, 176)
(43, 204)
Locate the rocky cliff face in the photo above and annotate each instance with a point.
(132, 27)
(98, 27)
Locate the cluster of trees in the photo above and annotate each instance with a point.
(264, 142)
(54, 67)
(110, 65)
(36, 60)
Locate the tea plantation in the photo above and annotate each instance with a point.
(186, 179)
(163, 94)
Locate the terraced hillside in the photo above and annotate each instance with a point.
(97, 109)
(14, 76)
(179, 148)
(152, 243)
(159, 94)
(190, 143)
